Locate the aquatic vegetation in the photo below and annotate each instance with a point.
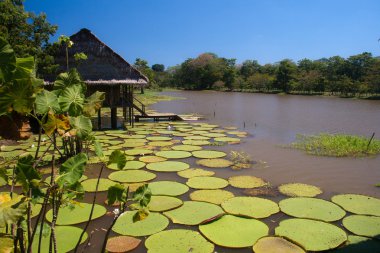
(358, 204)
(212, 196)
(338, 145)
(299, 190)
(194, 213)
(207, 182)
(246, 182)
(363, 225)
(262, 191)
(251, 207)
(312, 208)
(138, 152)
(234, 232)
(168, 166)
(168, 188)
(122, 243)
(89, 185)
(178, 240)
(129, 165)
(163, 203)
(186, 147)
(208, 154)
(173, 154)
(273, 244)
(215, 163)
(131, 176)
(241, 160)
(189, 173)
(312, 235)
(152, 159)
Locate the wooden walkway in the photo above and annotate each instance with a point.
(159, 116)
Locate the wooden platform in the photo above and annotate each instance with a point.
(159, 116)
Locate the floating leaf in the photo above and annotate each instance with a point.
(178, 240)
(158, 138)
(169, 188)
(234, 232)
(79, 213)
(207, 183)
(172, 154)
(250, 207)
(299, 190)
(131, 176)
(311, 235)
(312, 208)
(196, 142)
(215, 163)
(276, 244)
(152, 224)
(152, 159)
(186, 148)
(89, 185)
(163, 203)
(130, 165)
(160, 143)
(368, 226)
(138, 151)
(168, 166)
(194, 213)
(227, 139)
(122, 244)
(212, 196)
(246, 182)
(208, 154)
(196, 137)
(213, 135)
(189, 173)
(358, 204)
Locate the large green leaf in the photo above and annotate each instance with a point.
(82, 126)
(71, 100)
(24, 68)
(119, 158)
(7, 60)
(142, 195)
(117, 192)
(58, 122)
(26, 174)
(93, 103)
(72, 170)
(46, 101)
(18, 97)
(67, 79)
(11, 209)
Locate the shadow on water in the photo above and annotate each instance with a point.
(366, 246)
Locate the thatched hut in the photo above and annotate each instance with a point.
(105, 71)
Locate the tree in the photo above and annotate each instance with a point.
(158, 67)
(285, 74)
(142, 66)
(249, 67)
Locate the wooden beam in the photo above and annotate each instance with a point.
(114, 117)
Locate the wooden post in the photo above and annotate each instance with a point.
(114, 117)
(100, 119)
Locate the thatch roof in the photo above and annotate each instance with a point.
(103, 66)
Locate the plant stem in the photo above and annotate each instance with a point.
(39, 143)
(369, 143)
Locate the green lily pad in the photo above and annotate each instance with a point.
(89, 185)
(158, 138)
(131, 176)
(213, 135)
(160, 143)
(186, 148)
(207, 182)
(189, 173)
(312, 235)
(234, 232)
(208, 154)
(178, 240)
(215, 163)
(168, 166)
(358, 244)
(168, 188)
(358, 204)
(194, 213)
(363, 225)
(173, 154)
(196, 142)
(312, 208)
(134, 136)
(152, 159)
(246, 182)
(227, 139)
(197, 138)
(133, 144)
(66, 236)
(273, 244)
(138, 151)
(252, 207)
(181, 134)
(5, 148)
(163, 203)
(80, 213)
(130, 165)
(299, 190)
(212, 196)
(152, 224)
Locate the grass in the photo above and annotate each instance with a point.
(151, 97)
(337, 145)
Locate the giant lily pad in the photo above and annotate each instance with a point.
(363, 225)
(152, 224)
(130, 165)
(212, 196)
(189, 173)
(131, 176)
(207, 182)
(186, 147)
(299, 190)
(358, 204)
(246, 182)
(234, 232)
(168, 166)
(196, 137)
(208, 154)
(163, 203)
(169, 188)
(312, 208)
(178, 240)
(173, 154)
(152, 159)
(250, 207)
(312, 235)
(273, 244)
(227, 139)
(134, 136)
(215, 163)
(122, 244)
(89, 185)
(138, 151)
(66, 236)
(194, 213)
(213, 135)
(158, 138)
(80, 213)
(196, 142)
(160, 143)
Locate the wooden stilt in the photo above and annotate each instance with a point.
(114, 117)
(100, 119)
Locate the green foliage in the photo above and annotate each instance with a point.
(72, 170)
(7, 60)
(117, 193)
(72, 100)
(93, 103)
(46, 101)
(26, 174)
(142, 195)
(82, 126)
(119, 158)
(338, 145)
(11, 209)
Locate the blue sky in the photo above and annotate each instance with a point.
(170, 31)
